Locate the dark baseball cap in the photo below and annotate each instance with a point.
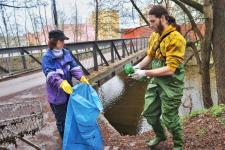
(57, 34)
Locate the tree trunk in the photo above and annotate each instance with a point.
(96, 20)
(205, 55)
(46, 21)
(2, 34)
(219, 47)
(76, 22)
(42, 24)
(32, 23)
(17, 30)
(6, 27)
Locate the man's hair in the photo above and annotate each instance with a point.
(159, 11)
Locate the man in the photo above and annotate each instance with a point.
(165, 90)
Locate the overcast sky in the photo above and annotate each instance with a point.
(85, 8)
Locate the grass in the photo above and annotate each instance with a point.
(214, 111)
(222, 121)
(217, 110)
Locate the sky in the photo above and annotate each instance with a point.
(85, 8)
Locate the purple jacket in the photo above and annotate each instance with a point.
(56, 70)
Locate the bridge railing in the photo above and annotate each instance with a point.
(90, 55)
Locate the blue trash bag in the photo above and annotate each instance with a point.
(81, 127)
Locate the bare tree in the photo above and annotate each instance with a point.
(87, 31)
(46, 20)
(75, 22)
(205, 55)
(139, 12)
(5, 26)
(17, 30)
(96, 18)
(42, 24)
(3, 36)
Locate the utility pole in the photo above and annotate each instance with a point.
(54, 13)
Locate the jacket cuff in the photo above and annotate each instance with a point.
(54, 79)
(77, 72)
(172, 68)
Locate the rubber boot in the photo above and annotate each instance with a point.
(155, 141)
(159, 130)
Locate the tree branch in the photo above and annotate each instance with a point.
(194, 25)
(140, 13)
(193, 4)
(6, 5)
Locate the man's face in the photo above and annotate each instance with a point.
(155, 23)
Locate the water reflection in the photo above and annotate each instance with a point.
(111, 91)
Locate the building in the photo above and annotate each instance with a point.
(108, 24)
(136, 32)
(76, 33)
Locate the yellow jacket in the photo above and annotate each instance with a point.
(172, 47)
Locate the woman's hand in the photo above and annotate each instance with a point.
(66, 87)
(83, 79)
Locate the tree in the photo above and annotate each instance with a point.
(214, 13)
(218, 40)
(5, 26)
(205, 52)
(96, 18)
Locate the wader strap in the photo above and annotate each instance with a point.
(158, 46)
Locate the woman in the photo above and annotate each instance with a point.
(59, 67)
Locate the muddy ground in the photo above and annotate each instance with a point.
(201, 132)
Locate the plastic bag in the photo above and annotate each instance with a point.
(81, 127)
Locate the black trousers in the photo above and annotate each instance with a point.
(60, 116)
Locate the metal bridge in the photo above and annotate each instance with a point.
(20, 70)
(100, 60)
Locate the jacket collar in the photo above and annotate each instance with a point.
(168, 29)
(66, 56)
(51, 54)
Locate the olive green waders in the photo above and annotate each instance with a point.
(163, 97)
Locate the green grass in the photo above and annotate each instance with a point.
(215, 111)
(222, 120)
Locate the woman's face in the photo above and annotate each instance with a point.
(60, 44)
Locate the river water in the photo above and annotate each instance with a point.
(123, 100)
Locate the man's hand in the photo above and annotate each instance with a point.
(137, 67)
(138, 74)
(66, 87)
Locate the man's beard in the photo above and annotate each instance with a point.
(160, 28)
